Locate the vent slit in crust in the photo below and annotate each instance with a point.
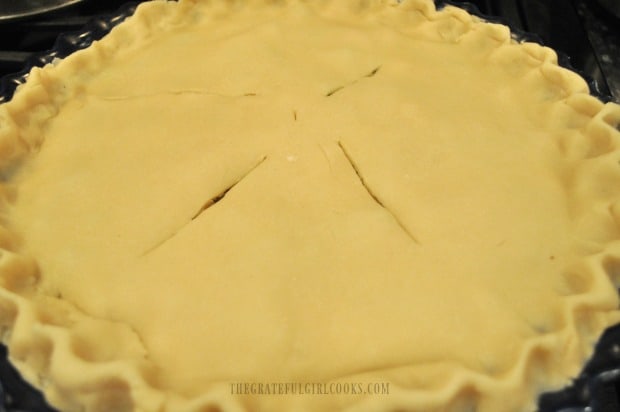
(339, 88)
(372, 194)
(177, 92)
(222, 194)
(206, 206)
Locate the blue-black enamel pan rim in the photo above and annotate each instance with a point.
(65, 45)
(597, 387)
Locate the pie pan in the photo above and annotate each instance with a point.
(595, 389)
(14, 10)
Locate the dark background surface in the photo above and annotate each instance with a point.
(586, 33)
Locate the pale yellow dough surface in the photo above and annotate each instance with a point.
(399, 195)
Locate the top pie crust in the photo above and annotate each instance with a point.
(306, 191)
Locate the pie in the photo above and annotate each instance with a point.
(316, 205)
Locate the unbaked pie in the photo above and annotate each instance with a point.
(222, 195)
